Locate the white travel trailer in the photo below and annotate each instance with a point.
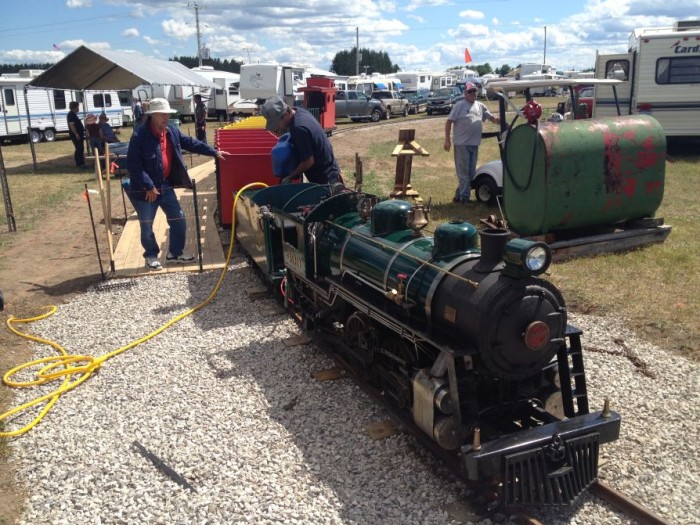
(376, 81)
(48, 108)
(442, 80)
(219, 99)
(415, 79)
(262, 81)
(179, 97)
(661, 78)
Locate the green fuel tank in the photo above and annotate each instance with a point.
(583, 173)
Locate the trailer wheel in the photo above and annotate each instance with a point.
(50, 134)
(36, 136)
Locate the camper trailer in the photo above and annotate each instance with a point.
(44, 111)
(179, 97)
(262, 81)
(374, 82)
(222, 97)
(415, 80)
(661, 78)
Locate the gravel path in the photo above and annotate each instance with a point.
(221, 400)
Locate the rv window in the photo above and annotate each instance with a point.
(9, 97)
(617, 69)
(98, 98)
(682, 70)
(59, 99)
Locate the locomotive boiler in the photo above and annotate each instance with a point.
(457, 331)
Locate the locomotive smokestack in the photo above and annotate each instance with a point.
(493, 241)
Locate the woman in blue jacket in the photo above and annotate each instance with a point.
(156, 167)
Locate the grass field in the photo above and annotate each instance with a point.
(656, 288)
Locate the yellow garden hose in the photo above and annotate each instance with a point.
(66, 366)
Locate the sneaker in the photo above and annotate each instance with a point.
(182, 258)
(152, 263)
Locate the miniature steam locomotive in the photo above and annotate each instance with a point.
(467, 344)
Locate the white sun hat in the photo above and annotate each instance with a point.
(159, 105)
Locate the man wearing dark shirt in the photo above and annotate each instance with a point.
(314, 150)
(77, 134)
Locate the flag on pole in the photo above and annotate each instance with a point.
(467, 56)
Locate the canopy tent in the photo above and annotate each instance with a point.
(87, 68)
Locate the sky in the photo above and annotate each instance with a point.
(417, 34)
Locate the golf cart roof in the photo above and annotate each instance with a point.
(519, 85)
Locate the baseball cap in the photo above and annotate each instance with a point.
(159, 105)
(470, 85)
(273, 110)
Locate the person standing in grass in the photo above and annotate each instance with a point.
(200, 118)
(77, 134)
(156, 167)
(467, 116)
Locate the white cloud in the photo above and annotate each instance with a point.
(177, 29)
(473, 15)
(132, 31)
(151, 41)
(73, 4)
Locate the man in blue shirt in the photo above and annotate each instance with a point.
(156, 167)
(314, 150)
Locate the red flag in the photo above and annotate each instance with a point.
(467, 56)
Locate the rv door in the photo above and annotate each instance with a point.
(10, 110)
(616, 67)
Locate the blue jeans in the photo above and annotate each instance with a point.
(465, 165)
(146, 212)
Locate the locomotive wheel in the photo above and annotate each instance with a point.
(360, 336)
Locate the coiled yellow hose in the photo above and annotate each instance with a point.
(67, 366)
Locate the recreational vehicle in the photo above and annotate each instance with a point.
(374, 82)
(222, 97)
(44, 110)
(661, 78)
(262, 81)
(179, 97)
(415, 80)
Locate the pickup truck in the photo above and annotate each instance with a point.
(355, 105)
(394, 103)
(442, 100)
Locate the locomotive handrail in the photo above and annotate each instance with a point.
(423, 262)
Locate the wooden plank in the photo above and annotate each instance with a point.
(609, 242)
(297, 340)
(328, 374)
(129, 253)
(381, 430)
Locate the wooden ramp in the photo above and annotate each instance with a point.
(128, 255)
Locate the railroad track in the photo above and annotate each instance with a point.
(366, 125)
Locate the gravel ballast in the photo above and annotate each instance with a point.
(220, 399)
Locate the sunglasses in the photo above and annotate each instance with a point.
(471, 91)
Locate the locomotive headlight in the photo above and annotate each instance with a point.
(524, 258)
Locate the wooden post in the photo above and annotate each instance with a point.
(105, 212)
(405, 151)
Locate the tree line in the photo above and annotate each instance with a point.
(344, 63)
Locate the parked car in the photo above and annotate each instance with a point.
(394, 103)
(442, 100)
(356, 106)
(417, 99)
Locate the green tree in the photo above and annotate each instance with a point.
(344, 62)
(231, 66)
